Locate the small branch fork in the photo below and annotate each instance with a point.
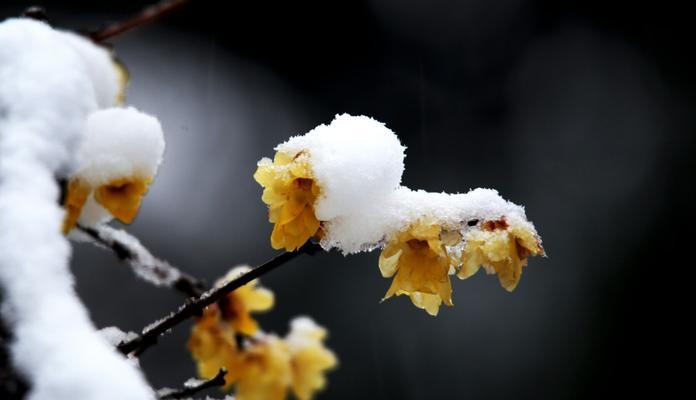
(144, 17)
(189, 390)
(195, 306)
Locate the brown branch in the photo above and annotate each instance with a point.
(195, 307)
(189, 390)
(155, 270)
(144, 17)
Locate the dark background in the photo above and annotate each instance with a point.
(581, 111)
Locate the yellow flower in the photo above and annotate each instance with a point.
(213, 338)
(500, 249)
(265, 372)
(309, 358)
(213, 346)
(240, 303)
(420, 265)
(121, 197)
(290, 192)
(75, 199)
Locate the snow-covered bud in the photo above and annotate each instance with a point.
(328, 174)
(119, 157)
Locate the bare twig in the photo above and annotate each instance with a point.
(195, 307)
(155, 270)
(144, 17)
(190, 389)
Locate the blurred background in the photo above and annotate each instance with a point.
(579, 110)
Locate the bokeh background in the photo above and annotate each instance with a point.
(581, 110)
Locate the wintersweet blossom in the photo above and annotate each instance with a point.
(213, 342)
(117, 161)
(265, 370)
(326, 176)
(310, 358)
(240, 303)
(290, 192)
(271, 367)
(420, 265)
(501, 249)
(263, 366)
(213, 345)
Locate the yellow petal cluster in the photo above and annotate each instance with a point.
(271, 367)
(419, 263)
(290, 192)
(265, 370)
(213, 341)
(501, 250)
(213, 345)
(121, 197)
(261, 366)
(239, 304)
(310, 361)
(421, 258)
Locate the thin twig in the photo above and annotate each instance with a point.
(189, 390)
(155, 270)
(195, 307)
(144, 17)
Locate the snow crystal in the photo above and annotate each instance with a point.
(355, 160)
(47, 89)
(116, 336)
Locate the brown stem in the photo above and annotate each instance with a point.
(188, 391)
(153, 269)
(195, 307)
(144, 17)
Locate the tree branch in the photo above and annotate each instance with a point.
(147, 15)
(190, 389)
(195, 307)
(152, 269)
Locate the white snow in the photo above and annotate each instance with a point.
(144, 264)
(119, 143)
(367, 228)
(357, 163)
(47, 89)
(355, 160)
(304, 332)
(116, 336)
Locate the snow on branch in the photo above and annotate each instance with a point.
(50, 81)
(193, 386)
(195, 307)
(145, 265)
